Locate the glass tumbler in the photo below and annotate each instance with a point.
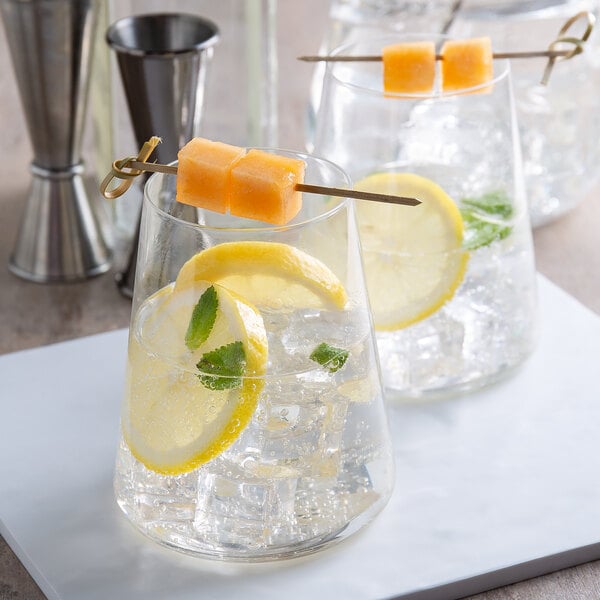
(253, 426)
(453, 291)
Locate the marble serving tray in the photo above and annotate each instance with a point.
(491, 488)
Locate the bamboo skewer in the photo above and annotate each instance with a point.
(553, 54)
(356, 194)
(378, 58)
(301, 187)
(152, 167)
(137, 167)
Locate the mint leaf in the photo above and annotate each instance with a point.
(222, 368)
(496, 204)
(202, 320)
(329, 356)
(480, 232)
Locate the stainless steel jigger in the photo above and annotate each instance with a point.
(51, 41)
(163, 60)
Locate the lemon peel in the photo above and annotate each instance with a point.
(171, 422)
(414, 260)
(266, 273)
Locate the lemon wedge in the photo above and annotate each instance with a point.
(269, 274)
(414, 261)
(171, 421)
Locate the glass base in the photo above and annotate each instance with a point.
(442, 357)
(232, 553)
(181, 538)
(452, 390)
(214, 512)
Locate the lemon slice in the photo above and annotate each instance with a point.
(268, 274)
(171, 421)
(413, 257)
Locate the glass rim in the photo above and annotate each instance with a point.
(435, 95)
(341, 202)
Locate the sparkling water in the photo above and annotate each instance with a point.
(486, 330)
(489, 325)
(312, 466)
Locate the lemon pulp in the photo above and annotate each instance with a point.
(413, 258)
(171, 422)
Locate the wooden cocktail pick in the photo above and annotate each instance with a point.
(127, 169)
(552, 53)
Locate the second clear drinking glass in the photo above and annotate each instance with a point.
(449, 316)
(266, 438)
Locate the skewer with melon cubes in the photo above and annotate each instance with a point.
(227, 179)
(410, 67)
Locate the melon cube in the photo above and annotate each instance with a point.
(467, 63)
(204, 172)
(263, 187)
(409, 67)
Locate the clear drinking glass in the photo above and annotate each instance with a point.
(448, 318)
(288, 453)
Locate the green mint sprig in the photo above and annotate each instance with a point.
(495, 204)
(479, 231)
(203, 319)
(222, 368)
(329, 356)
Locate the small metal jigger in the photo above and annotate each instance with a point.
(51, 41)
(163, 60)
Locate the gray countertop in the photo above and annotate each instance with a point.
(567, 252)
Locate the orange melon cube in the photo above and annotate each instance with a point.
(204, 172)
(263, 187)
(467, 63)
(409, 67)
